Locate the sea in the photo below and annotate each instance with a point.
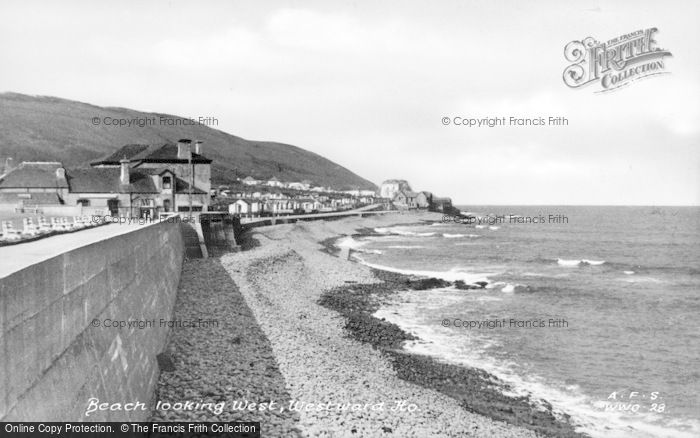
(595, 310)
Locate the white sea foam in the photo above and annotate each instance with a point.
(349, 242)
(456, 236)
(384, 238)
(487, 298)
(592, 262)
(536, 274)
(509, 288)
(405, 246)
(479, 226)
(453, 274)
(564, 262)
(504, 287)
(452, 236)
(369, 251)
(355, 245)
(494, 228)
(642, 279)
(628, 272)
(400, 232)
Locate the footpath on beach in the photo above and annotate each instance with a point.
(275, 346)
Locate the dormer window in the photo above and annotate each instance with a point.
(167, 182)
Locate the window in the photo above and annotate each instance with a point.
(113, 206)
(167, 182)
(166, 204)
(83, 202)
(187, 208)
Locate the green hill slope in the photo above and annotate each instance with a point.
(52, 129)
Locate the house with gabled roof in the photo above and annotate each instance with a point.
(181, 174)
(424, 199)
(405, 199)
(136, 180)
(250, 181)
(274, 182)
(245, 207)
(33, 183)
(443, 205)
(297, 186)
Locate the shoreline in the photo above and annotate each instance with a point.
(270, 298)
(477, 390)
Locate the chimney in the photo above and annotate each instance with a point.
(183, 148)
(124, 176)
(60, 173)
(8, 165)
(198, 147)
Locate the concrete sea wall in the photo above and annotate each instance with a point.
(59, 346)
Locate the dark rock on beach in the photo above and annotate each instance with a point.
(479, 392)
(379, 333)
(165, 362)
(426, 283)
(459, 284)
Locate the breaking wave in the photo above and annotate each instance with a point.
(564, 262)
(401, 232)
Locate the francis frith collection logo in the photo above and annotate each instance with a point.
(614, 63)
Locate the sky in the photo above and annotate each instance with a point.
(367, 84)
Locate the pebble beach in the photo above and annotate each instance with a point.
(286, 340)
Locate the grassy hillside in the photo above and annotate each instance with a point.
(53, 129)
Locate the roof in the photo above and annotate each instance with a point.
(107, 180)
(162, 153)
(30, 198)
(85, 180)
(249, 178)
(126, 152)
(34, 174)
(438, 199)
(247, 201)
(156, 171)
(274, 178)
(183, 187)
